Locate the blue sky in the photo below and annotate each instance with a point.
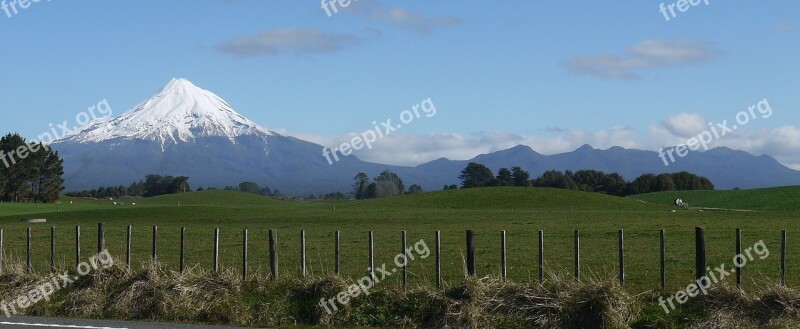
(552, 75)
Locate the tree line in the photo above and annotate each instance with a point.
(152, 185)
(30, 172)
(478, 175)
(384, 185)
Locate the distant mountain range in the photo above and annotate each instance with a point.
(186, 130)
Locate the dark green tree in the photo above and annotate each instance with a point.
(414, 189)
(361, 182)
(503, 177)
(520, 177)
(475, 175)
(371, 192)
(249, 187)
(29, 171)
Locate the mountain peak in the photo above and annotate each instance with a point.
(178, 85)
(178, 112)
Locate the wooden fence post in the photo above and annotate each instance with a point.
(273, 254)
(128, 246)
(471, 253)
(783, 258)
(2, 251)
(541, 256)
(621, 246)
(302, 254)
(244, 255)
(503, 255)
(403, 243)
(216, 250)
(663, 272)
(577, 255)
(52, 249)
(337, 266)
(371, 256)
(738, 253)
(700, 252)
(155, 243)
(77, 245)
(28, 263)
(438, 259)
(183, 250)
(101, 237)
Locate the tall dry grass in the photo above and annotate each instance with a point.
(200, 296)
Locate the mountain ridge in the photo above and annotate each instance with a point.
(185, 130)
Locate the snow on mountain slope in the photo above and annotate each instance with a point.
(179, 112)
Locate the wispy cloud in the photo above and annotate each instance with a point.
(402, 17)
(782, 143)
(648, 54)
(784, 26)
(297, 41)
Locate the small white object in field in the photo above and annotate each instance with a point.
(701, 210)
(673, 210)
(115, 203)
(70, 202)
(133, 203)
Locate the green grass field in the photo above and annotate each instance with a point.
(519, 211)
(781, 199)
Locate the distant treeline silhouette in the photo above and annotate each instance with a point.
(152, 185)
(478, 175)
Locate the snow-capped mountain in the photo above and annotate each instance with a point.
(187, 131)
(179, 112)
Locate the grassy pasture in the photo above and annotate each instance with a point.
(519, 211)
(780, 199)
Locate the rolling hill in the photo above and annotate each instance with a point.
(767, 199)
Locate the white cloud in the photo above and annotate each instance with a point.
(685, 124)
(645, 55)
(296, 41)
(413, 149)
